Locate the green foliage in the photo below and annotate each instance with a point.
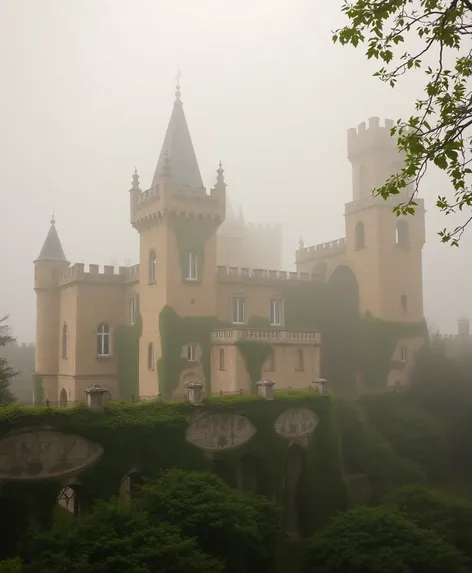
(114, 539)
(238, 528)
(191, 235)
(127, 352)
(440, 132)
(377, 540)
(255, 353)
(412, 433)
(7, 373)
(176, 331)
(14, 565)
(449, 517)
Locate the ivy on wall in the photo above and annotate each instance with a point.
(254, 353)
(127, 352)
(191, 235)
(151, 437)
(176, 331)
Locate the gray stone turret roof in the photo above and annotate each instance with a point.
(52, 249)
(179, 148)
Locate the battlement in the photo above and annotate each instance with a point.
(321, 250)
(152, 206)
(236, 274)
(109, 274)
(367, 137)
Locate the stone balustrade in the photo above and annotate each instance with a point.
(273, 336)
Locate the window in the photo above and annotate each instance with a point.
(103, 340)
(221, 359)
(300, 366)
(359, 242)
(191, 271)
(404, 303)
(402, 234)
(276, 318)
(404, 353)
(238, 310)
(192, 352)
(132, 310)
(152, 266)
(65, 340)
(150, 356)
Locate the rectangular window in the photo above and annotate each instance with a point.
(276, 312)
(191, 271)
(192, 352)
(404, 353)
(404, 303)
(132, 311)
(238, 310)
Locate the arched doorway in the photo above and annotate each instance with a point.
(63, 401)
(341, 331)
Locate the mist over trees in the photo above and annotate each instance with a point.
(7, 372)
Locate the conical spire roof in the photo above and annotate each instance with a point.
(52, 249)
(179, 148)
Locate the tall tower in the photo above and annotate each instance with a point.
(50, 263)
(386, 250)
(177, 221)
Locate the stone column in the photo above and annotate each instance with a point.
(96, 397)
(321, 385)
(265, 388)
(195, 392)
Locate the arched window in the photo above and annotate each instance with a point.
(191, 272)
(300, 365)
(402, 234)
(221, 359)
(103, 339)
(65, 340)
(63, 398)
(152, 266)
(150, 356)
(360, 236)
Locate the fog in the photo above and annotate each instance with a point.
(87, 91)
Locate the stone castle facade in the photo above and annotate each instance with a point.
(201, 260)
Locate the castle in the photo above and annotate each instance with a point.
(201, 264)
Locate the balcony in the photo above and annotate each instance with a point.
(235, 335)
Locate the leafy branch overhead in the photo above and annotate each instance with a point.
(440, 132)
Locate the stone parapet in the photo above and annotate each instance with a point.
(236, 274)
(94, 274)
(273, 336)
(322, 250)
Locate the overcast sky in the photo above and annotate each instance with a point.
(87, 88)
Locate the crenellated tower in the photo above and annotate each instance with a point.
(385, 250)
(48, 267)
(177, 220)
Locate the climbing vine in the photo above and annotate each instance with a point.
(254, 353)
(127, 352)
(176, 331)
(192, 235)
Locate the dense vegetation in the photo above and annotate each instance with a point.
(7, 372)
(406, 459)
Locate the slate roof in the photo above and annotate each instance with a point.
(52, 249)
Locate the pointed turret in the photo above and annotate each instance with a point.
(179, 147)
(52, 249)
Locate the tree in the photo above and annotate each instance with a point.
(116, 539)
(237, 527)
(450, 518)
(440, 132)
(11, 566)
(377, 540)
(7, 373)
